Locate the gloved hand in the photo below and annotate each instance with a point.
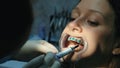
(44, 61)
(34, 48)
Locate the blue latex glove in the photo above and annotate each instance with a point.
(44, 61)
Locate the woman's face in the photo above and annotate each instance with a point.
(91, 29)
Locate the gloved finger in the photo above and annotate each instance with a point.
(34, 63)
(44, 47)
(49, 58)
(56, 64)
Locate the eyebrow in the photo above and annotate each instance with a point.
(98, 12)
(91, 10)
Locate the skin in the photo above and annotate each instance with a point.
(94, 22)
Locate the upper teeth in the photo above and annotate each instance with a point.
(74, 39)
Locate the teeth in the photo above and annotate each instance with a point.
(74, 39)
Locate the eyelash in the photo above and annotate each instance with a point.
(92, 23)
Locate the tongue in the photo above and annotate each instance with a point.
(72, 43)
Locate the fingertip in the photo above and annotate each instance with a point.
(49, 58)
(56, 64)
(34, 62)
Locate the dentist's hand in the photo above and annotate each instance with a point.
(44, 61)
(33, 48)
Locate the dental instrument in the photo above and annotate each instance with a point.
(67, 51)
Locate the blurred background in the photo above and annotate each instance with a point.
(50, 18)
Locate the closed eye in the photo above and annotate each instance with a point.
(93, 23)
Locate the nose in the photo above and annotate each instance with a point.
(75, 27)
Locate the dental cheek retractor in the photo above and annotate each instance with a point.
(67, 51)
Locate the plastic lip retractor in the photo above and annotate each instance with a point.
(65, 52)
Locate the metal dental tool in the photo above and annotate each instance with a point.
(67, 51)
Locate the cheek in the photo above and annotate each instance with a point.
(93, 41)
(96, 39)
(106, 43)
(66, 30)
(103, 41)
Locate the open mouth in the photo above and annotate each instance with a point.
(70, 41)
